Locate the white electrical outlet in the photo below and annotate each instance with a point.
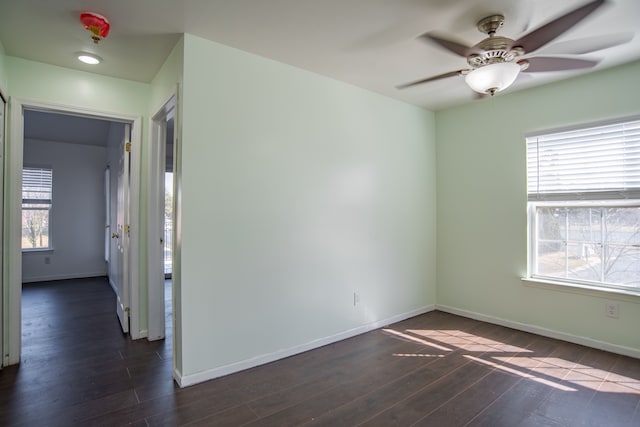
(612, 310)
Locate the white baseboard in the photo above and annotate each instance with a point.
(576, 339)
(142, 334)
(177, 377)
(113, 285)
(62, 277)
(209, 374)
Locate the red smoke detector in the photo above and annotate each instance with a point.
(97, 24)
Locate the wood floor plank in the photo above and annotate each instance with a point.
(378, 363)
(196, 409)
(564, 407)
(635, 421)
(528, 394)
(233, 417)
(313, 408)
(466, 405)
(69, 415)
(429, 398)
(377, 400)
(511, 408)
(190, 401)
(613, 404)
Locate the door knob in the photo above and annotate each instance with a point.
(114, 235)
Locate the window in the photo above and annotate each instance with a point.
(36, 207)
(584, 206)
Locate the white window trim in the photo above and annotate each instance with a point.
(50, 246)
(580, 289)
(618, 197)
(49, 249)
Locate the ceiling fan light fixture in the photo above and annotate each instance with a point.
(88, 58)
(493, 78)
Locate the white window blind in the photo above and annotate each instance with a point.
(596, 163)
(37, 184)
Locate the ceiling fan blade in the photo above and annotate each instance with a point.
(588, 44)
(430, 79)
(543, 35)
(450, 45)
(540, 64)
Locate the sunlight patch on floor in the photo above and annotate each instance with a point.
(416, 339)
(520, 373)
(417, 355)
(575, 373)
(467, 341)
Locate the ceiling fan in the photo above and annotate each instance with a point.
(496, 61)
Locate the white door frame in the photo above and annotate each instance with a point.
(3, 144)
(156, 167)
(13, 259)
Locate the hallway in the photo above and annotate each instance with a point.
(76, 362)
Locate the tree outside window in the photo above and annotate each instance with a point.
(37, 186)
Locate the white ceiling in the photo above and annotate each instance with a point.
(47, 126)
(368, 43)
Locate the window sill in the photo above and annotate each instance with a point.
(578, 288)
(36, 250)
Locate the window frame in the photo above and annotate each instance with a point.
(49, 247)
(573, 199)
(532, 243)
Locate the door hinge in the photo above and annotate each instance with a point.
(127, 229)
(127, 309)
(127, 147)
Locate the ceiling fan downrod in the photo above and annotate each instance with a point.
(491, 24)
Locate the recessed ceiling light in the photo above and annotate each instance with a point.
(88, 58)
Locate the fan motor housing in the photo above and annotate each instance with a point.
(493, 50)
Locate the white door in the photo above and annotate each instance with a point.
(122, 233)
(161, 156)
(157, 239)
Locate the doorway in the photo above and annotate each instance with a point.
(162, 220)
(168, 196)
(15, 221)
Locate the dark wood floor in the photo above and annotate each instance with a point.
(434, 370)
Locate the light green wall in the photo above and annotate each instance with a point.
(48, 83)
(165, 81)
(297, 191)
(481, 200)
(35, 81)
(3, 74)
